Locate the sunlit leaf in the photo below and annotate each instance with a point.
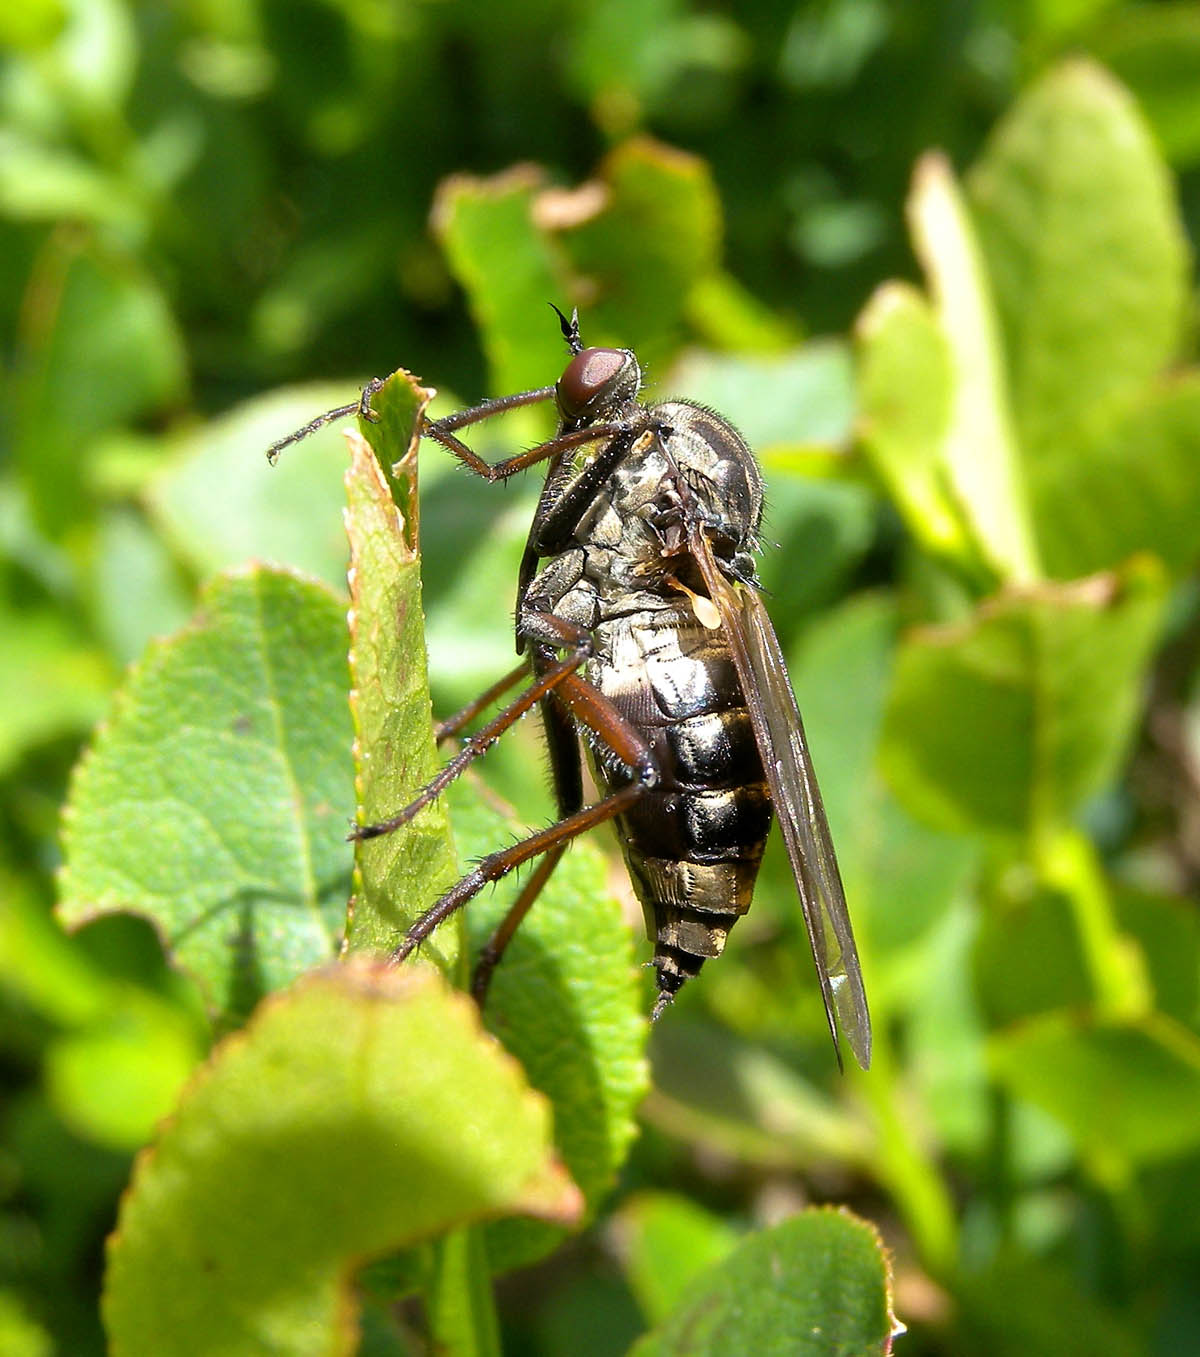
(817, 1284)
(1085, 252)
(979, 452)
(1088, 266)
(214, 799)
(397, 875)
(1016, 717)
(667, 1241)
(359, 1112)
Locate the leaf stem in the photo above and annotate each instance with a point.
(459, 1305)
(1066, 862)
(908, 1171)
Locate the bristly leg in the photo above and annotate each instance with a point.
(592, 709)
(361, 408)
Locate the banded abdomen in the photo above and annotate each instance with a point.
(693, 843)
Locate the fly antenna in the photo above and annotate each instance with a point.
(570, 328)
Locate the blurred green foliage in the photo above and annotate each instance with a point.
(970, 378)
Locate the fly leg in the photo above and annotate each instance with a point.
(360, 407)
(590, 708)
(481, 741)
(443, 730)
(493, 949)
(443, 431)
(568, 701)
(562, 745)
(496, 866)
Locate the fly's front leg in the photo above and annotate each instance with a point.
(557, 522)
(442, 431)
(360, 407)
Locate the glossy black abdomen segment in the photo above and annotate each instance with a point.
(693, 843)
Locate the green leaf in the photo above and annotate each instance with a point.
(113, 1080)
(218, 502)
(1127, 1092)
(118, 1053)
(471, 543)
(109, 338)
(359, 1112)
(568, 1002)
(727, 315)
(979, 450)
(781, 400)
(1088, 265)
(640, 237)
(817, 1284)
(51, 683)
(401, 874)
(33, 26)
(41, 183)
(505, 263)
(1168, 931)
(20, 1334)
(94, 54)
(457, 1297)
(1155, 51)
(213, 800)
(133, 562)
(1028, 959)
(629, 245)
(900, 876)
(816, 532)
(1134, 486)
(1008, 722)
(905, 387)
(667, 1240)
(943, 1040)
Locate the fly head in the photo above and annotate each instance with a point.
(597, 384)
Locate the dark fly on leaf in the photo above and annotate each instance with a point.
(648, 644)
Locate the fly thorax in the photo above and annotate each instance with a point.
(722, 479)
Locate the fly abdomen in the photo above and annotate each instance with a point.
(693, 843)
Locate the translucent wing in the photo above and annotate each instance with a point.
(779, 733)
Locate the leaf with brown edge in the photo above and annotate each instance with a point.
(213, 800)
(362, 1111)
(398, 875)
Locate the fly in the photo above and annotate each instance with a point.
(648, 645)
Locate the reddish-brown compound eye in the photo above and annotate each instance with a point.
(586, 377)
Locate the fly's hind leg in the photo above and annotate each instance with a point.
(447, 729)
(588, 705)
(573, 699)
(481, 741)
